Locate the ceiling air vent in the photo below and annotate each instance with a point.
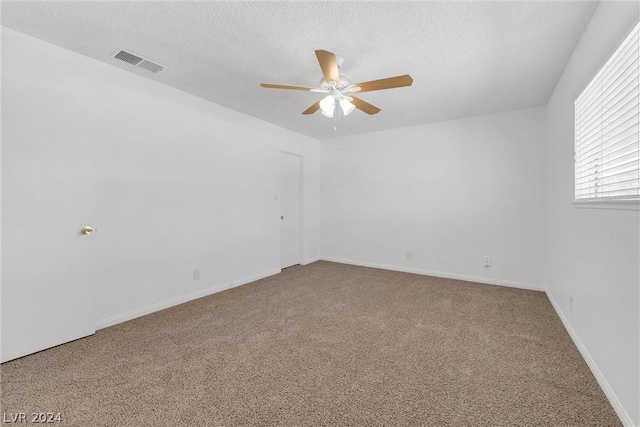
(150, 66)
(138, 61)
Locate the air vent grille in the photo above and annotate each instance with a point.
(128, 57)
(150, 66)
(138, 61)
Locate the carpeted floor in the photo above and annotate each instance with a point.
(323, 344)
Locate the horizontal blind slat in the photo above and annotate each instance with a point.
(630, 142)
(592, 156)
(620, 81)
(621, 192)
(630, 86)
(612, 198)
(630, 105)
(625, 164)
(627, 125)
(622, 70)
(622, 181)
(590, 89)
(592, 96)
(625, 94)
(589, 112)
(625, 51)
(587, 127)
(591, 144)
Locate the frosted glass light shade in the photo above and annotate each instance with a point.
(347, 107)
(328, 106)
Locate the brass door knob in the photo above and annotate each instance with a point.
(86, 231)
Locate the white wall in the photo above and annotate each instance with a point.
(594, 254)
(181, 183)
(451, 192)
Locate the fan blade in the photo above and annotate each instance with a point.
(275, 86)
(329, 66)
(388, 83)
(315, 107)
(364, 106)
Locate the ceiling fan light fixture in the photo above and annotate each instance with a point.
(347, 107)
(339, 87)
(328, 106)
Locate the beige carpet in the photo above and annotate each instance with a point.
(323, 344)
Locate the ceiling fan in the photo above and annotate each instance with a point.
(340, 89)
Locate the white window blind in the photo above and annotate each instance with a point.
(607, 128)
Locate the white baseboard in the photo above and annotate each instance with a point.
(310, 260)
(446, 275)
(604, 385)
(119, 318)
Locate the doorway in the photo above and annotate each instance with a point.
(290, 197)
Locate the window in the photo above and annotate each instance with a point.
(607, 128)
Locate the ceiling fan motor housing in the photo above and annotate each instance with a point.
(345, 81)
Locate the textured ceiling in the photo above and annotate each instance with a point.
(466, 58)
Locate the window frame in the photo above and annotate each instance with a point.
(612, 202)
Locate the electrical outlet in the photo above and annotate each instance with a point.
(196, 274)
(571, 304)
(442, 257)
(409, 254)
(487, 262)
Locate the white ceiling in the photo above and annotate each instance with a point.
(466, 58)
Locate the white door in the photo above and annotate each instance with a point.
(290, 209)
(48, 195)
